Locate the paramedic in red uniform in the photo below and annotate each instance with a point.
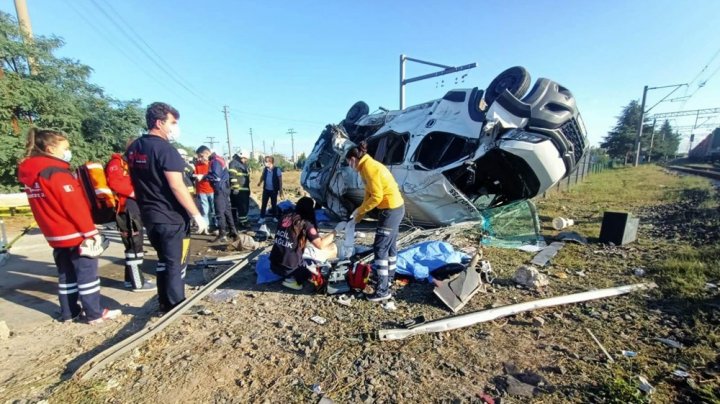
(166, 205)
(129, 222)
(63, 215)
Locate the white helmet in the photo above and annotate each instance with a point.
(243, 154)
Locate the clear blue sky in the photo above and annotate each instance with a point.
(296, 64)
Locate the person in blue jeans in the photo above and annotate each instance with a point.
(205, 191)
(271, 179)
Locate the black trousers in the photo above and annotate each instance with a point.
(301, 273)
(172, 242)
(131, 231)
(223, 213)
(240, 201)
(272, 196)
(77, 278)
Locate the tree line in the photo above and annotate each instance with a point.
(619, 143)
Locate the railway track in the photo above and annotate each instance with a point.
(111, 354)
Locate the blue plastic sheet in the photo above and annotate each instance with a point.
(286, 206)
(420, 260)
(263, 271)
(321, 216)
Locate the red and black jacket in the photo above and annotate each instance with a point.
(57, 201)
(118, 179)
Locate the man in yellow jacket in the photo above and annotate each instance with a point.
(383, 193)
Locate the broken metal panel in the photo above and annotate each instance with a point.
(469, 319)
(547, 253)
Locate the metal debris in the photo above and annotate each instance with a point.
(547, 253)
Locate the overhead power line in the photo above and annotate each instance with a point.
(147, 54)
(115, 44)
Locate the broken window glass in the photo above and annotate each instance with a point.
(438, 149)
(389, 148)
(512, 225)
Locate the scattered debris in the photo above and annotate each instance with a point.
(572, 236)
(517, 388)
(4, 331)
(618, 228)
(318, 320)
(708, 285)
(610, 359)
(326, 400)
(530, 277)
(468, 319)
(560, 223)
(560, 275)
(211, 272)
(245, 242)
(486, 398)
(681, 374)
(645, 386)
(389, 305)
(670, 342)
(538, 322)
(628, 354)
(205, 312)
(457, 291)
(345, 300)
(639, 271)
(316, 388)
(547, 253)
(223, 295)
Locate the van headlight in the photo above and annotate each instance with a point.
(523, 136)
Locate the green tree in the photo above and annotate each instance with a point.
(57, 95)
(620, 141)
(301, 161)
(666, 142)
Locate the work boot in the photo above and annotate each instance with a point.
(378, 296)
(292, 284)
(146, 287)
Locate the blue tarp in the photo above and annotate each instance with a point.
(321, 216)
(421, 259)
(262, 269)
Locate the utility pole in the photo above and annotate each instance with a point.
(252, 146)
(227, 130)
(211, 140)
(652, 139)
(23, 18)
(292, 132)
(643, 112)
(640, 127)
(446, 70)
(272, 149)
(264, 153)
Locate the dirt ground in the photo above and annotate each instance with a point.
(258, 344)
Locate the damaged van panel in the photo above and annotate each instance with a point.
(459, 155)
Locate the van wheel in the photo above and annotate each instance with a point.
(515, 79)
(357, 111)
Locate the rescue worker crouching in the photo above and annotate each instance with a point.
(294, 232)
(129, 222)
(240, 188)
(63, 215)
(381, 192)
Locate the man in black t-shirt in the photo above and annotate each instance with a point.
(166, 206)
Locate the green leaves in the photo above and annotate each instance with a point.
(57, 95)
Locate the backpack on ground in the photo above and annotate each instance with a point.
(102, 201)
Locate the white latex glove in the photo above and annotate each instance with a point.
(201, 223)
(353, 215)
(199, 177)
(93, 246)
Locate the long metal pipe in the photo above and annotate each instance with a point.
(466, 320)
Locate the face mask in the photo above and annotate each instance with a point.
(174, 133)
(267, 165)
(67, 155)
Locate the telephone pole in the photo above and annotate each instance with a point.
(23, 18)
(643, 112)
(252, 146)
(227, 130)
(292, 132)
(211, 140)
